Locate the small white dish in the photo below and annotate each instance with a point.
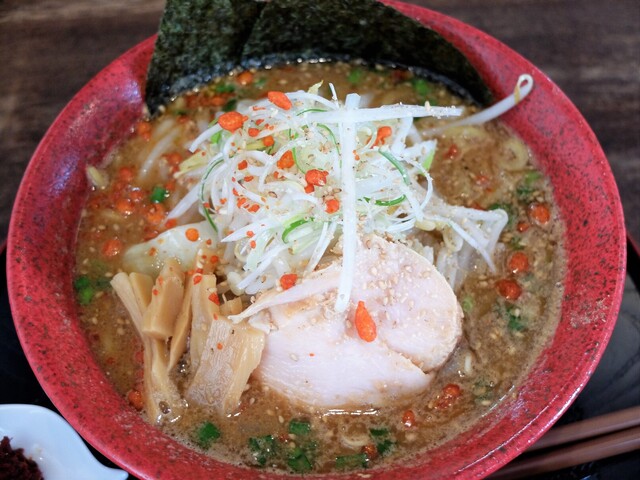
(50, 441)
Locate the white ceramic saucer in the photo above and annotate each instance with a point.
(51, 442)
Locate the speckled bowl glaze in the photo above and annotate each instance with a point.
(41, 257)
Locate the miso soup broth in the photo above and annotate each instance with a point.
(231, 284)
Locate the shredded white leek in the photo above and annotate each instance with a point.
(254, 187)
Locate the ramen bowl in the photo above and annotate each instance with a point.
(41, 257)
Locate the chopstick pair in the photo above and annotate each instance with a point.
(606, 435)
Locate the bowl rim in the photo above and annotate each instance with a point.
(462, 35)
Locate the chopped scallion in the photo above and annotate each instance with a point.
(467, 304)
(158, 194)
(262, 448)
(394, 161)
(207, 434)
(355, 75)
(224, 88)
(421, 87)
(379, 432)
(298, 461)
(357, 460)
(299, 427)
(292, 226)
(84, 289)
(230, 105)
(384, 447)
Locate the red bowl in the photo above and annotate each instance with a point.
(41, 255)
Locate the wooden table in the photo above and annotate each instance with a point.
(50, 48)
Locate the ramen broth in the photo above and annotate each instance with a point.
(509, 315)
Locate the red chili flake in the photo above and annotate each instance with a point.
(248, 178)
(126, 174)
(286, 160)
(245, 78)
(250, 233)
(316, 178)
(409, 418)
(214, 259)
(124, 206)
(450, 393)
(332, 205)
(268, 141)
(482, 180)
(112, 247)
(309, 188)
(172, 222)
(231, 121)
(288, 280)
(214, 298)
(219, 346)
(155, 291)
(241, 201)
(152, 252)
(540, 213)
(279, 99)
(254, 208)
(215, 101)
(242, 165)
(173, 159)
(383, 132)
(144, 129)
(509, 289)
(192, 234)
(518, 263)
(522, 227)
(197, 279)
(252, 244)
(253, 132)
(136, 400)
(365, 326)
(453, 151)
(371, 451)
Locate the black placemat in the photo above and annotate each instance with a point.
(614, 385)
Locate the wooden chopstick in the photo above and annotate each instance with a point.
(591, 427)
(588, 451)
(607, 435)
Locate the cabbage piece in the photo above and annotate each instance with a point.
(149, 257)
(231, 353)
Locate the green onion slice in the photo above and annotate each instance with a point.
(394, 161)
(293, 225)
(388, 203)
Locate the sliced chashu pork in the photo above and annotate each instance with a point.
(313, 354)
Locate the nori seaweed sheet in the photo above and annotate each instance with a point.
(202, 39)
(198, 40)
